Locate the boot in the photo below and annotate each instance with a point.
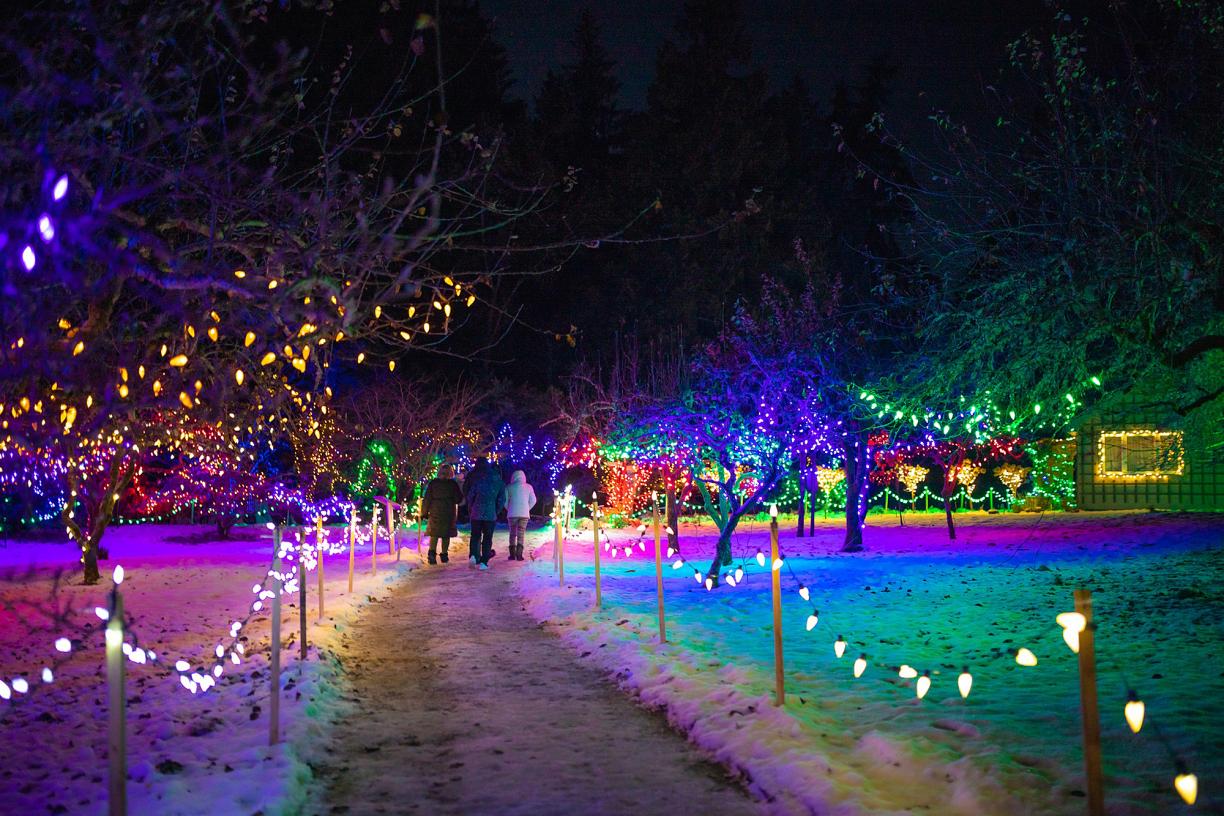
(433, 558)
(445, 557)
(518, 553)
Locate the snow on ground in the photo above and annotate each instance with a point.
(869, 746)
(187, 754)
(463, 705)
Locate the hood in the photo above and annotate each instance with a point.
(518, 477)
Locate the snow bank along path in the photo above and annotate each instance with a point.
(462, 704)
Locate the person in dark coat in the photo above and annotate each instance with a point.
(441, 503)
(486, 495)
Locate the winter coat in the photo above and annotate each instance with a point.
(441, 505)
(485, 493)
(520, 496)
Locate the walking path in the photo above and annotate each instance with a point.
(465, 705)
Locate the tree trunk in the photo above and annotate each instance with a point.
(90, 561)
(799, 534)
(673, 519)
(947, 501)
(856, 484)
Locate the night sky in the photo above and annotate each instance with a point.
(944, 50)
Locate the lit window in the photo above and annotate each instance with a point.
(1140, 454)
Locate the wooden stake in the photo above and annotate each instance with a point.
(319, 560)
(274, 671)
(374, 544)
(658, 536)
(1088, 706)
(560, 548)
(595, 526)
(420, 512)
(391, 548)
(352, 548)
(302, 601)
(776, 583)
(116, 752)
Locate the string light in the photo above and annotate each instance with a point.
(1134, 712)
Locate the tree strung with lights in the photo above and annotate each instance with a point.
(748, 414)
(1078, 241)
(215, 232)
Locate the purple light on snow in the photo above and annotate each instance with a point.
(27, 258)
(45, 228)
(61, 188)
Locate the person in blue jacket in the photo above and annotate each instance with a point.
(485, 493)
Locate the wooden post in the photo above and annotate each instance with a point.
(116, 752)
(420, 512)
(374, 543)
(274, 669)
(352, 548)
(319, 567)
(658, 537)
(302, 599)
(391, 548)
(595, 527)
(560, 547)
(776, 584)
(1088, 706)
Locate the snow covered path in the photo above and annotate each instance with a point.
(466, 705)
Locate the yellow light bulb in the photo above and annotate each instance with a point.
(123, 390)
(1072, 624)
(240, 274)
(425, 326)
(378, 311)
(923, 686)
(1187, 786)
(249, 339)
(213, 334)
(907, 672)
(860, 665)
(1025, 658)
(239, 376)
(964, 682)
(1134, 711)
(78, 348)
(839, 646)
(360, 357)
(299, 364)
(391, 365)
(268, 359)
(157, 388)
(178, 360)
(812, 621)
(185, 399)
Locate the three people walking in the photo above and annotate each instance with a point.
(485, 496)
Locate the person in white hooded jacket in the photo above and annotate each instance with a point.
(520, 498)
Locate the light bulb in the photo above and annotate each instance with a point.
(812, 621)
(1072, 624)
(803, 593)
(1025, 658)
(1187, 785)
(739, 574)
(860, 665)
(63, 645)
(760, 558)
(964, 682)
(678, 563)
(773, 511)
(777, 563)
(1135, 710)
(839, 646)
(118, 574)
(907, 672)
(924, 685)
(730, 579)
(697, 576)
